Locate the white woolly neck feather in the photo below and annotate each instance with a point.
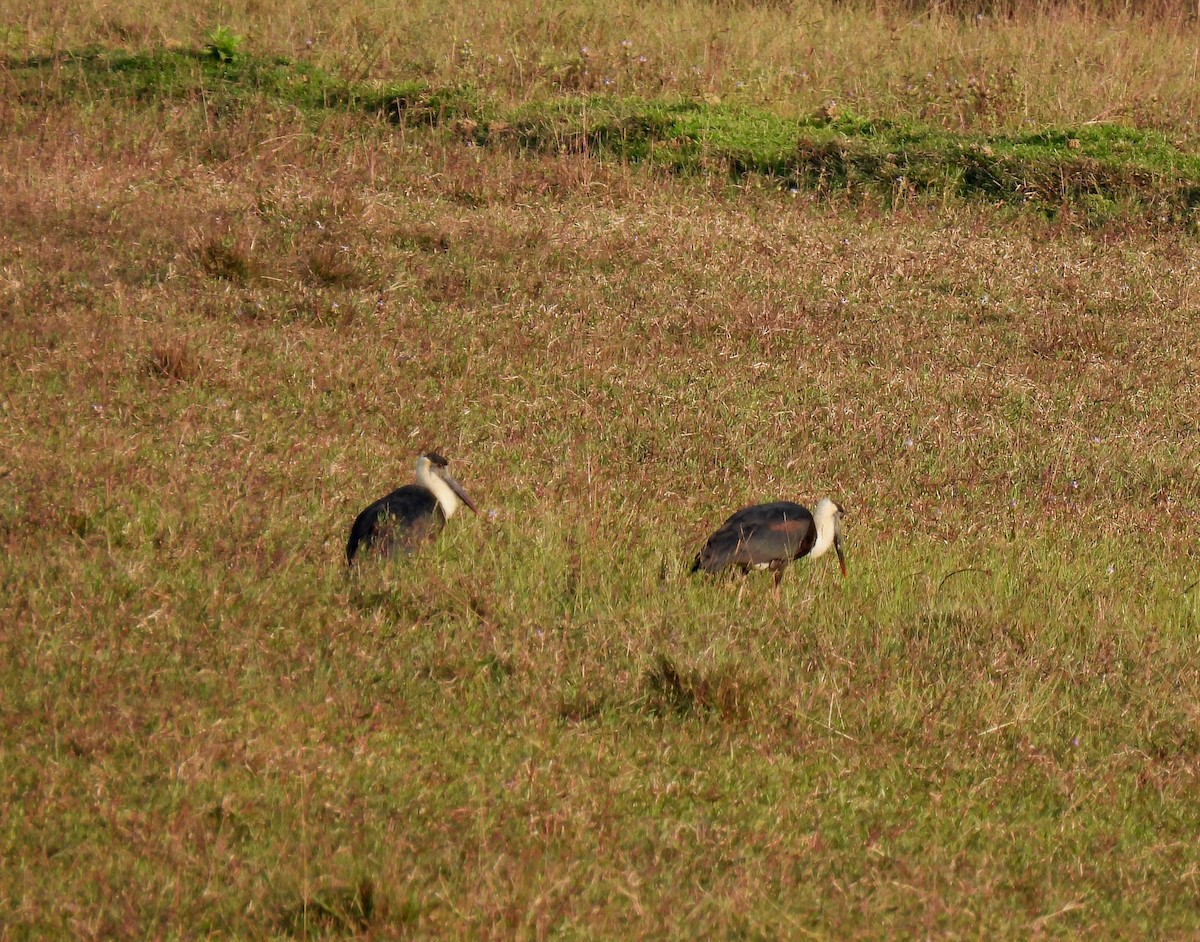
(429, 479)
(825, 517)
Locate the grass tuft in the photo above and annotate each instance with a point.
(173, 359)
(722, 689)
(580, 705)
(334, 265)
(332, 912)
(227, 258)
(417, 105)
(223, 44)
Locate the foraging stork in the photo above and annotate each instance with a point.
(412, 514)
(769, 536)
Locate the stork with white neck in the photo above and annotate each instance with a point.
(769, 536)
(410, 515)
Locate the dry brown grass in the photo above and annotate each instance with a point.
(958, 64)
(541, 727)
(173, 359)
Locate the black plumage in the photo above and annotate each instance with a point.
(769, 536)
(410, 515)
(397, 523)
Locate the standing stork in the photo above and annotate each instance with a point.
(769, 536)
(412, 514)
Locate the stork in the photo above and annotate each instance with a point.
(412, 514)
(769, 536)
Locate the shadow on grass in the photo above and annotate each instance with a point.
(333, 912)
(724, 690)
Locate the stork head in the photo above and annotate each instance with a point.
(829, 513)
(432, 471)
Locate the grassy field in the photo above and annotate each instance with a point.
(246, 278)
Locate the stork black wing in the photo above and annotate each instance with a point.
(762, 535)
(397, 522)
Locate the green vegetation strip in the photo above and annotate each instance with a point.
(1105, 170)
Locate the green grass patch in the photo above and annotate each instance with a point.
(1091, 167)
(1102, 172)
(223, 77)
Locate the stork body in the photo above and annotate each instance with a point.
(769, 536)
(410, 515)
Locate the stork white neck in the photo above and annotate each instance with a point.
(429, 479)
(825, 517)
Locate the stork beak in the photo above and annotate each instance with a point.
(457, 488)
(837, 545)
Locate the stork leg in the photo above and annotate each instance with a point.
(778, 579)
